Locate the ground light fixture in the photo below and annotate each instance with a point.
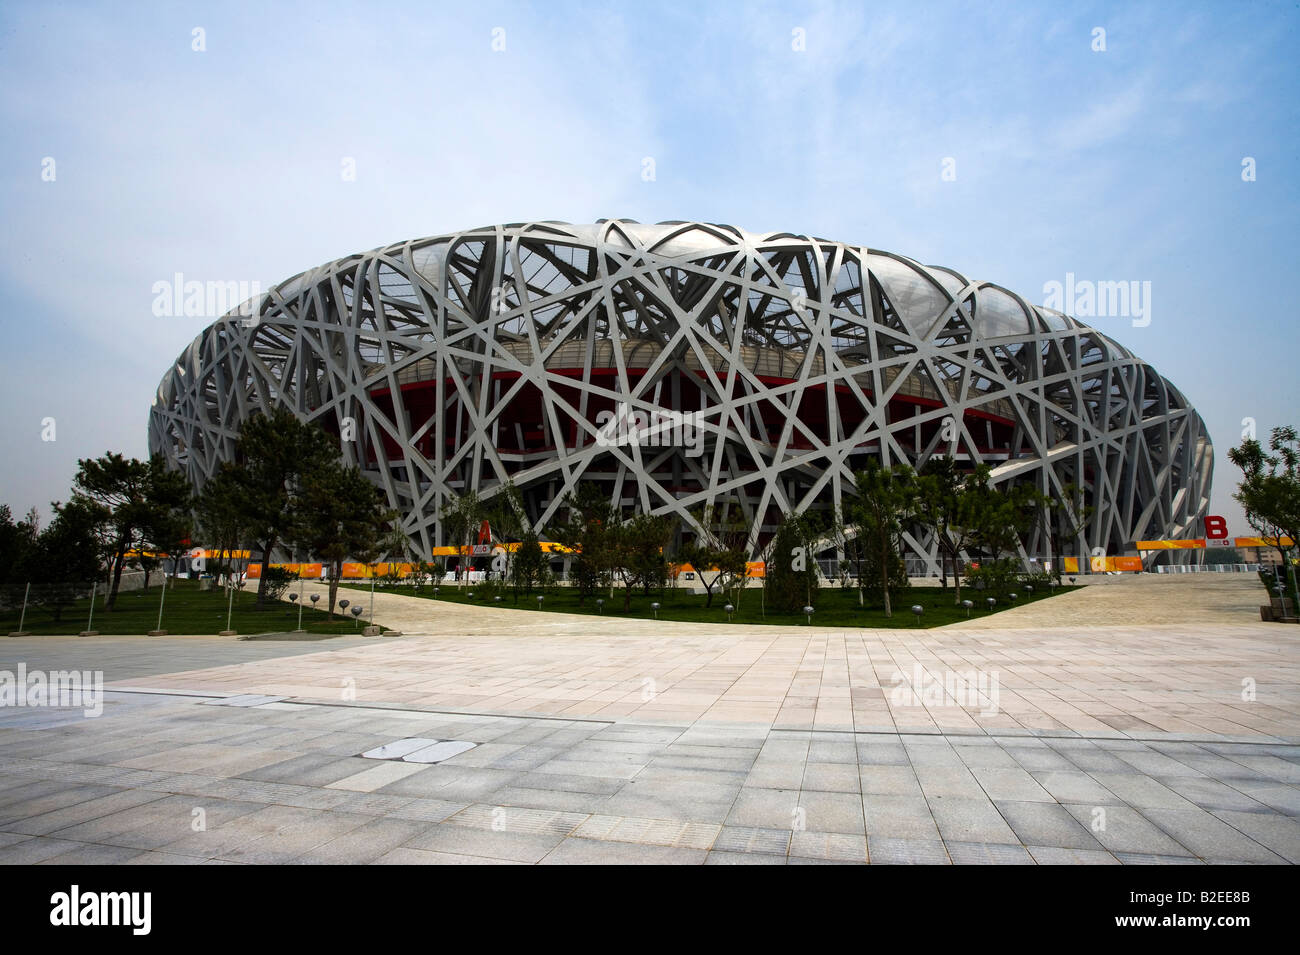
(730, 610)
(356, 617)
(918, 610)
(991, 601)
(1029, 591)
(1013, 595)
(655, 608)
(540, 598)
(314, 598)
(343, 604)
(967, 604)
(600, 605)
(808, 612)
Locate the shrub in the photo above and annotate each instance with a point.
(278, 580)
(993, 577)
(791, 579)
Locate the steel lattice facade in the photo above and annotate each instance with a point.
(469, 360)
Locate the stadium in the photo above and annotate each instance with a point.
(685, 364)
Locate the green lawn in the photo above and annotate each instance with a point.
(835, 607)
(187, 611)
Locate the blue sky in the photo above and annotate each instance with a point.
(224, 164)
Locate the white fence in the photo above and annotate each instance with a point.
(1210, 569)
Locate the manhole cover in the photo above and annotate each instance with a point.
(439, 751)
(419, 750)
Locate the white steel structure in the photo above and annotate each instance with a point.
(467, 360)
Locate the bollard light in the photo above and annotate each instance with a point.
(540, 598)
(808, 612)
(356, 616)
(343, 604)
(655, 608)
(1029, 590)
(730, 610)
(293, 598)
(918, 610)
(314, 598)
(967, 604)
(496, 598)
(1013, 595)
(600, 605)
(991, 601)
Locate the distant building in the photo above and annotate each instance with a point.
(681, 364)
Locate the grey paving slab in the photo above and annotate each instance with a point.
(1122, 829)
(1076, 786)
(899, 816)
(1210, 837)
(765, 808)
(366, 843)
(890, 780)
(464, 840)
(885, 850)
(1046, 824)
(829, 846)
(1054, 855)
(1014, 783)
(716, 857)
(1280, 834)
(984, 853)
(969, 820)
(747, 839)
(831, 812)
(577, 851)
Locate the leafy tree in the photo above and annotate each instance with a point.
(586, 535)
(1072, 516)
(130, 501)
(278, 455)
(219, 512)
(529, 567)
(886, 499)
(636, 553)
(17, 541)
(952, 505)
(791, 579)
(728, 566)
(882, 580)
(1002, 516)
(721, 549)
(1269, 491)
(508, 525)
(64, 557)
(342, 515)
(461, 519)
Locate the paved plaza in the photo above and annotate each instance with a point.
(1137, 720)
